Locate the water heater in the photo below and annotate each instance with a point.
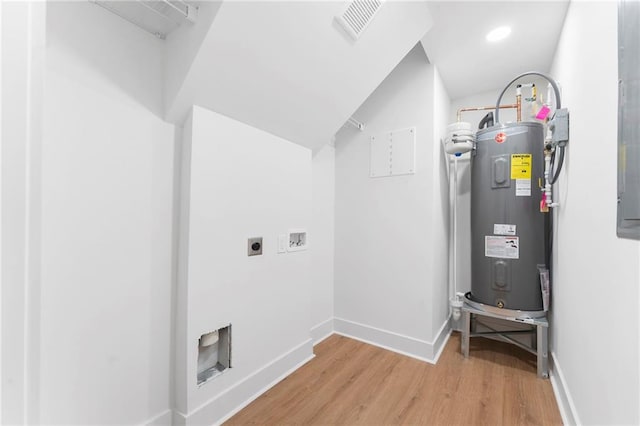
(508, 230)
(513, 169)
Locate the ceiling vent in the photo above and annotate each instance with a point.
(358, 15)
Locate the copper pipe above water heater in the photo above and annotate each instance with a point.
(483, 108)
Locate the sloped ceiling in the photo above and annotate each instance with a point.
(288, 68)
(469, 64)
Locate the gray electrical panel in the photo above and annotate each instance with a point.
(629, 119)
(508, 244)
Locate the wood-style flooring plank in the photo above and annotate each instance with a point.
(353, 383)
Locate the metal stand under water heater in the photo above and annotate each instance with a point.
(513, 169)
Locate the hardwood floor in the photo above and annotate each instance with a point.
(353, 383)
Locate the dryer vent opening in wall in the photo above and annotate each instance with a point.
(214, 354)
(358, 15)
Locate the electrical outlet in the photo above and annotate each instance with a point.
(254, 246)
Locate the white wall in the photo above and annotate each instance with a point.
(595, 294)
(440, 206)
(243, 182)
(1, 226)
(385, 237)
(182, 46)
(106, 223)
(23, 37)
(322, 241)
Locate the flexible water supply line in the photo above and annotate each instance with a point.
(556, 174)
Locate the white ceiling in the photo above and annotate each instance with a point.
(288, 68)
(158, 17)
(469, 64)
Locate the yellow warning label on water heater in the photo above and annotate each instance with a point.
(520, 166)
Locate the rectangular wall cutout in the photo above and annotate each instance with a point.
(214, 354)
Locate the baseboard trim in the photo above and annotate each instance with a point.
(561, 391)
(321, 331)
(442, 337)
(163, 419)
(395, 342)
(225, 405)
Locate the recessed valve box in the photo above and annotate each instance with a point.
(254, 246)
(297, 240)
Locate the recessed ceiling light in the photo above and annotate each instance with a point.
(498, 34)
